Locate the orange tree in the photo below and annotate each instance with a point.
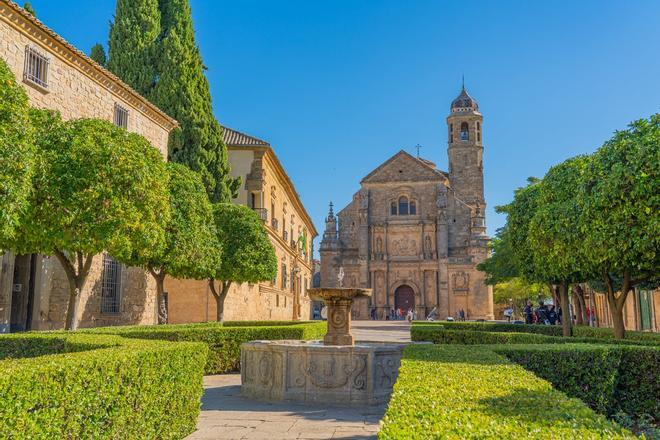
(620, 200)
(191, 246)
(16, 153)
(248, 255)
(97, 188)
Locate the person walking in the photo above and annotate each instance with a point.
(528, 311)
(461, 314)
(552, 315)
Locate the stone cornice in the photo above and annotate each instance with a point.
(30, 26)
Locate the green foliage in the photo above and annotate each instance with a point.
(609, 378)
(591, 333)
(133, 44)
(621, 201)
(29, 8)
(98, 54)
(99, 386)
(224, 343)
(520, 213)
(557, 245)
(98, 188)
(248, 253)
(153, 49)
(500, 266)
(451, 392)
(16, 154)
(191, 246)
(519, 290)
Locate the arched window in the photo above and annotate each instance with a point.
(465, 132)
(393, 208)
(403, 205)
(413, 208)
(451, 132)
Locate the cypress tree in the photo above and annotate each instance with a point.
(98, 54)
(170, 73)
(133, 40)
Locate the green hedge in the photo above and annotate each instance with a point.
(448, 391)
(608, 378)
(267, 323)
(224, 342)
(549, 330)
(98, 386)
(441, 335)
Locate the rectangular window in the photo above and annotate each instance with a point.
(284, 276)
(36, 67)
(111, 286)
(121, 116)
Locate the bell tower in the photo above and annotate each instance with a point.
(465, 149)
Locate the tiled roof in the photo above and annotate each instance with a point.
(235, 138)
(9, 8)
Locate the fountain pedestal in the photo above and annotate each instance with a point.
(334, 372)
(339, 303)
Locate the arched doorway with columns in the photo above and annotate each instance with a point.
(404, 297)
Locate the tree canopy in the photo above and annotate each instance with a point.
(248, 255)
(191, 246)
(16, 153)
(620, 203)
(98, 54)
(97, 188)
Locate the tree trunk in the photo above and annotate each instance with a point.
(161, 303)
(76, 275)
(565, 309)
(617, 303)
(555, 295)
(220, 298)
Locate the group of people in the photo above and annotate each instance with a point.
(542, 314)
(396, 314)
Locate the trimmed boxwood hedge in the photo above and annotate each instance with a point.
(441, 335)
(71, 385)
(224, 342)
(549, 330)
(608, 378)
(448, 391)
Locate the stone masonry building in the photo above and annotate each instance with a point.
(34, 288)
(414, 233)
(268, 190)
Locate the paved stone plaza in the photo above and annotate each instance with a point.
(228, 415)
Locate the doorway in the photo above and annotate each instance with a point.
(22, 293)
(404, 298)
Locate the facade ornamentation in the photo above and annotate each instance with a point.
(415, 233)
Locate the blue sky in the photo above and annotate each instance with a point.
(337, 87)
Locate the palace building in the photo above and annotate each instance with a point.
(268, 190)
(414, 233)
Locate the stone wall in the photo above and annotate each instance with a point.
(192, 301)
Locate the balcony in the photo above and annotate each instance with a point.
(285, 235)
(262, 213)
(274, 223)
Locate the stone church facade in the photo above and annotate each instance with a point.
(414, 233)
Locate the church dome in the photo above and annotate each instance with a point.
(464, 102)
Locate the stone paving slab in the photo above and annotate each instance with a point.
(227, 415)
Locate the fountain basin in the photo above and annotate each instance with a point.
(304, 371)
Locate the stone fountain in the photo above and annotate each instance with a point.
(335, 371)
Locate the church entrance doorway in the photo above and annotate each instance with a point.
(404, 298)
